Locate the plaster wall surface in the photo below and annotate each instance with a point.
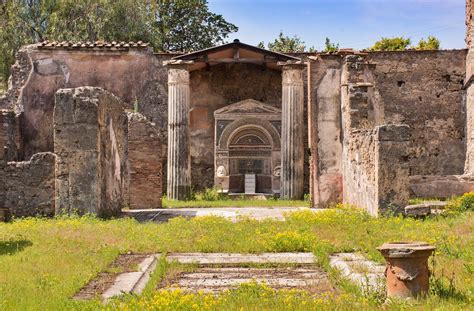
(135, 76)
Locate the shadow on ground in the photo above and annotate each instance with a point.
(13, 246)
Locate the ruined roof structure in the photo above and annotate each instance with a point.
(371, 129)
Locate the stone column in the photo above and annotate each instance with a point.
(179, 157)
(292, 130)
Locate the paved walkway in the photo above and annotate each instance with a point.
(232, 213)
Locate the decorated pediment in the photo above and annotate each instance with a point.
(248, 107)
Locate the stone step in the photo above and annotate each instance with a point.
(229, 258)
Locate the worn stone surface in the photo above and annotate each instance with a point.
(10, 139)
(215, 280)
(144, 163)
(27, 188)
(368, 275)
(232, 259)
(425, 208)
(441, 187)
(90, 140)
(132, 282)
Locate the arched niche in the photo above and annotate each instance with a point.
(247, 141)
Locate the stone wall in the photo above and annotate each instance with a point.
(423, 89)
(27, 188)
(90, 140)
(144, 163)
(375, 157)
(136, 76)
(375, 169)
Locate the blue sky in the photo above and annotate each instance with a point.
(352, 23)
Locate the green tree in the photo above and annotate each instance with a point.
(432, 43)
(285, 44)
(166, 25)
(391, 44)
(330, 47)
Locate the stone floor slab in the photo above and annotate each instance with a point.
(215, 280)
(231, 213)
(129, 282)
(233, 259)
(367, 274)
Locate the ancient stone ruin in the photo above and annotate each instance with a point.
(94, 127)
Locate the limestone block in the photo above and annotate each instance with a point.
(90, 139)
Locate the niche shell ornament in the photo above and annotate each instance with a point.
(221, 171)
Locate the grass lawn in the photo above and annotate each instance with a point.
(43, 262)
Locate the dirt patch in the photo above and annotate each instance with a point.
(97, 286)
(214, 280)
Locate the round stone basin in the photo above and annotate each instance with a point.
(406, 249)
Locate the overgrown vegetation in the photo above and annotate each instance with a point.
(401, 44)
(212, 197)
(286, 44)
(330, 47)
(43, 262)
(166, 25)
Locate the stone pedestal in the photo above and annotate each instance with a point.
(292, 130)
(407, 268)
(179, 158)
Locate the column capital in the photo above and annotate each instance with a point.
(292, 72)
(178, 71)
(178, 64)
(292, 64)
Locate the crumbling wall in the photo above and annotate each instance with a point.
(145, 163)
(134, 75)
(423, 89)
(19, 73)
(27, 188)
(90, 140)
(376, 173)
(375, 157)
